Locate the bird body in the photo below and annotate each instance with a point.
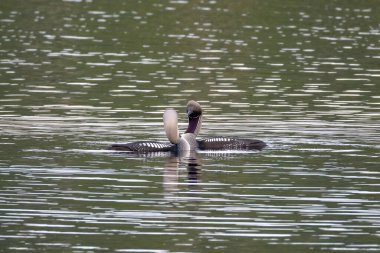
(188, 141)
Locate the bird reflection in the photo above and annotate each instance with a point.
(193, 164)
(176, 162)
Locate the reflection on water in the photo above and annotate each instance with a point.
(189, 161)
(193, 164)
(76, 76)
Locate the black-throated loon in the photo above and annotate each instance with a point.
(188, 141)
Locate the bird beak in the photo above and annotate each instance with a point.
(189, 111)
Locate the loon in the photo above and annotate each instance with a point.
(188, 141)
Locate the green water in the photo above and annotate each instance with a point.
(77, 76)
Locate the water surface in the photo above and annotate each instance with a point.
(76, 76)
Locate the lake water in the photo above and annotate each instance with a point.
(303, 76)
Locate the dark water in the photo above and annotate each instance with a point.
(76, 76)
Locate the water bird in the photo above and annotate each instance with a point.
(188, 141)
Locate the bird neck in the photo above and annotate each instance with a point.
(188, 142)
(194, 125)
(171, 125)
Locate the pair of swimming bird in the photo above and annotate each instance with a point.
(188, 141)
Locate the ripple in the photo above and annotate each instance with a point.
(75, 37)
